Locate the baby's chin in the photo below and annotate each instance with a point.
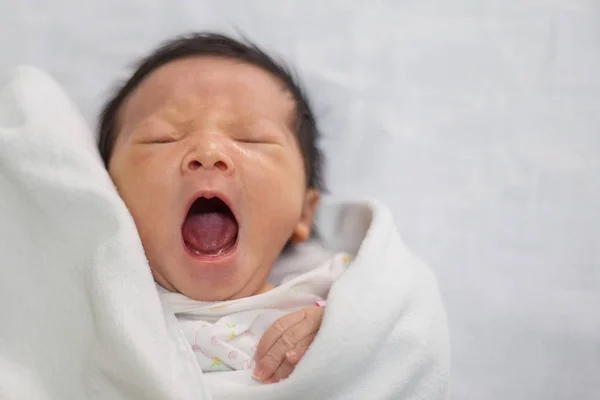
(223, 278)
(266, 287)
(221, 294)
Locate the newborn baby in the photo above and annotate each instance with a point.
(212, 146)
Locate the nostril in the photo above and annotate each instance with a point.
(194, 165)
(221, 165)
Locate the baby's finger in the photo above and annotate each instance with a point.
(275, 332)
(283, 371)
(270, 355)
(290, 329)
(294, 356)
(282, 340)
(291, 359)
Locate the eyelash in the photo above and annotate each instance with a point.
(250, 141)
(162, 141)
(263, 140)
(172, 140)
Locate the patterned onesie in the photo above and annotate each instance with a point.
(224, 335)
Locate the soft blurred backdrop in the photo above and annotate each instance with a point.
(477, 121)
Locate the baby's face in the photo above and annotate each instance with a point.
(207, 163)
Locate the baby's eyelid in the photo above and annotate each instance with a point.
(161, 138)
(256, 139)
(174, 135)
(249, 140)
(260, 142)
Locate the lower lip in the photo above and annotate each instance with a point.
(211, 257)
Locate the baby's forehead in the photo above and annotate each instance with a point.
(203, 88)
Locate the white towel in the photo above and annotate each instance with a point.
(384, 334)
(80, 317)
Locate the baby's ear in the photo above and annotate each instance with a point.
(304, 227)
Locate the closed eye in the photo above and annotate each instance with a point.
(253, 141)
(257, 141)
(161, 141)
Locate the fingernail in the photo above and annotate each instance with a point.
(258, 373)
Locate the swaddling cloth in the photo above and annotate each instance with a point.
(224, 335)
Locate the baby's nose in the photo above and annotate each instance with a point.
(210, 157)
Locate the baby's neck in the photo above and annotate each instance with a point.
(266, 287)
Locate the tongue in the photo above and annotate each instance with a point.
(209, 233)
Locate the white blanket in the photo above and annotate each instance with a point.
(80, 317)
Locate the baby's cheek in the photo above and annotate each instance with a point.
(144, 194)
(285, 175)
(143, 157)
(150, 170)
(140, 159)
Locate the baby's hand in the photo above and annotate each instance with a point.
(285, 342)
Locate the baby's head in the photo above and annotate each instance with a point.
(213, 147)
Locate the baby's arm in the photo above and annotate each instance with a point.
(285, 342)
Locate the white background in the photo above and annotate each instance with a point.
(477, 121)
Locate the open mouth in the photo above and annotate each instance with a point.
(210, 228)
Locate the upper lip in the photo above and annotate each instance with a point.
(209, 194)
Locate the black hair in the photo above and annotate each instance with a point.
(213, 44)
